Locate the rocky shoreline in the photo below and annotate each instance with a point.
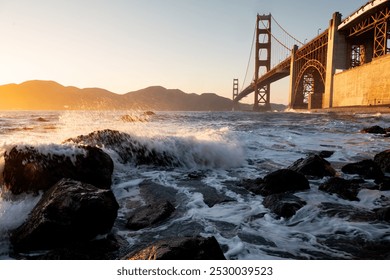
(75, 216)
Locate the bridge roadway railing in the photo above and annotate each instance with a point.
(278, 72)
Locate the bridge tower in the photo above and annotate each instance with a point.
(262, 62)
(235, 93)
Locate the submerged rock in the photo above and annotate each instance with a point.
(27, 169)
(180, 248)
(149, 215)
(347, 212)
(128, 147)
(70, 212)
(366, 168)
(283, 205)
(280, 181)
(346, 189)
(313, 165)
(357, 248)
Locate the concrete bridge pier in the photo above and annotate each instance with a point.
(337, 58)
(293, 77)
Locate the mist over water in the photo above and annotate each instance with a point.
(218, 150)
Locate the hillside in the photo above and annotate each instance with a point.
(49, 95)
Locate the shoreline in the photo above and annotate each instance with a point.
(382, 109)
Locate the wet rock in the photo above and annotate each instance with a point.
(313, 165)
(128, 147)
(27, 169)
(283, 205)
(180, 248)
(368, 169)
(326, 154)
(383, 161)
(137, 117)
(280, 181)
(384, 184)
(358, 248)
(376, 129)
(149, 215)
(383, 214)
(251, 185)
(347, 212)
(346, 189)
(40, 119)
(70, 212)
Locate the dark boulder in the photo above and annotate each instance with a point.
(326, 154)
(251, 185)
(383, 214)
(346, 189)
(280, 181)
(149, 215)
(376, 129)
(30, 169)
(384, 184)
(128, 147)
(70, 212)
(313, 165)
(283, 204)
(383, 161)
(180, 248)
(368, 169)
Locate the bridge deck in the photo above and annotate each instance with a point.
(280, 71)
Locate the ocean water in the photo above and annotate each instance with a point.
(216, 151)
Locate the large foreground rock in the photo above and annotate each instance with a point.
(180, 248)
(30, 169)
(280, 181)
(313, 165)
(68, 213)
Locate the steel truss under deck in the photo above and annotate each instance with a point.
(310, 66)
(376, 23)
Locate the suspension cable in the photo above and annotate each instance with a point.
(276, 39)
(284, 30)
(250, 58)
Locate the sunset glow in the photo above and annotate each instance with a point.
(196, 46)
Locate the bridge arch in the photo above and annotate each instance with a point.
(310, 85)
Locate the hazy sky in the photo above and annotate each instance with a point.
(124, 45)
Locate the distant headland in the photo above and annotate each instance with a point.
(50, 95)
